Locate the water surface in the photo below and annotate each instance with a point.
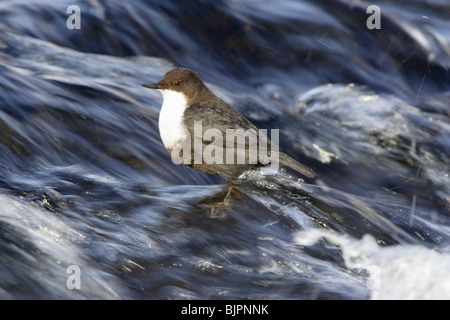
(86, 181)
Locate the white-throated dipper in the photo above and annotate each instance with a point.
(193, 122)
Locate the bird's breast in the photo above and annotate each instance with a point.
(171, 126)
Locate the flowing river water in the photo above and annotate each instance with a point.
(85, 180)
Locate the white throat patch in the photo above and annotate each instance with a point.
(171, 127)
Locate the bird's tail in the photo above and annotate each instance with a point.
(285, 160)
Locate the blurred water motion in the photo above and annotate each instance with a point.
(86, 181)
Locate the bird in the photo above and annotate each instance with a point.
(193, 121)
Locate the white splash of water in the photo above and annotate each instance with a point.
(395, 272)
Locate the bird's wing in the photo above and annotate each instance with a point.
(246, 136)
(217, 119)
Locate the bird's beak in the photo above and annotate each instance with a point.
(152, 85)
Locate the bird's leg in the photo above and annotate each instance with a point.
(220, 202)
(228, 190)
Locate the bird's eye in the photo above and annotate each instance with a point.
(177, 83)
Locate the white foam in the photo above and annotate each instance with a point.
(396, 272)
